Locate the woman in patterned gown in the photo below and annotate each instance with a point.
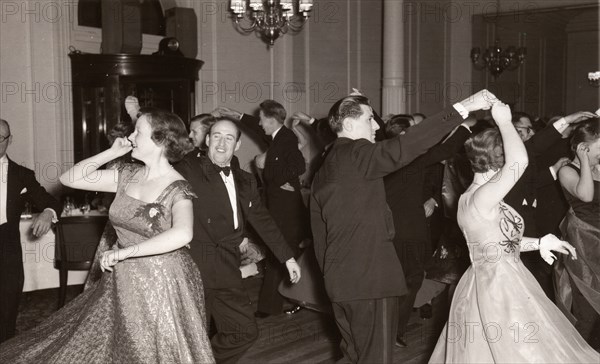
(499, 313)
(148, 306)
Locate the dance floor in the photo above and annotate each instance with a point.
(306, 337)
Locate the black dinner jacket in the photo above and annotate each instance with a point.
(523, 196)
(351, 222)
(405, 188)
(215, 245)
(20, 178)
(284, 162)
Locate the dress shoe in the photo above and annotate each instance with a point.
(293, 310)
(259, 314)
(400, 342)
(426, 311)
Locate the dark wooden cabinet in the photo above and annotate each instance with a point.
(101, 82)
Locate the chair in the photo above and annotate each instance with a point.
(77, 239)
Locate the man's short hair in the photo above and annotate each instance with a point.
(397, 124)
(206, 120)
(517, 115)
(348, 107)
(273, 109)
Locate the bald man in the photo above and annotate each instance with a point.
(17, 184)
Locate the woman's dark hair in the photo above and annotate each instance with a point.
(397, 124)
(485, 151)
(168, 131)
(120, 130)
(587, 131)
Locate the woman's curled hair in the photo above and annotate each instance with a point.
(485, 151)
(168, 131)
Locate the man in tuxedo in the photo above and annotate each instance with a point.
(523, 197)
(282, 164)
(227, 200)
(404, 191)
(17, 184)
(353, 226)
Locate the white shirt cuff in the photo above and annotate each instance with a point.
(461, 110)
(311, 121)
(560, 125)
(54, 216)
(553, 172)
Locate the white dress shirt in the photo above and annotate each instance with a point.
(275, 132)
(3, 186)
(230, 186)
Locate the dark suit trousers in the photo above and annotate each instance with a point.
(233, 316)
(412, 257)
(292, 221)
(269, 299)
(368, 329)
(11, 283)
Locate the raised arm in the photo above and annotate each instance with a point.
(580, 185)
(382, 158)
(85, 175)
(547, 137)
(487, 197)
(449, 147)
(248, 121)
(169, 240)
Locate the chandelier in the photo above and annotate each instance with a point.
(497, 60)
(270, 18)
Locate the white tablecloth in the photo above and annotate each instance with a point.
(38, 261)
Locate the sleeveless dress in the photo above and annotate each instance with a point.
(147, 310)
(578, 281)
(499, 313)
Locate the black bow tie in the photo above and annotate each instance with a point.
(225, 170)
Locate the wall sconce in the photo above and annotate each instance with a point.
(270, 18)
(497, 60)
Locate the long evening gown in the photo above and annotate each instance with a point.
(147, 310)
(499, 312)
(578, 281)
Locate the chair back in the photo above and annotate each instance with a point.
(77, 239)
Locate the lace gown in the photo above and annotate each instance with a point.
(148, 310)
(499, 312)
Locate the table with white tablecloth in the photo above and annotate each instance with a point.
(38, 260)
